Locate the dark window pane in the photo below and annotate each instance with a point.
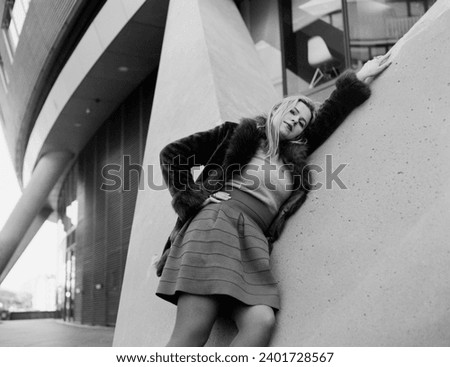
(313, 43)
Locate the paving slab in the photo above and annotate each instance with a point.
(53, 333)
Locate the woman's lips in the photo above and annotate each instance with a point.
(288, 126)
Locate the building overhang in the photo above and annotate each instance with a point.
(119, 50)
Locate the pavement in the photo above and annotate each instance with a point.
(53, 333)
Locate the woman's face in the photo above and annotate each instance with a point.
(295, 121)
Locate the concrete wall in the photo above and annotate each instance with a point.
(365, 266)
(369, 266)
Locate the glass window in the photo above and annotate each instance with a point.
(321, 38)
(13, 22)
(305, 44)
(376, 25)
(314, 52)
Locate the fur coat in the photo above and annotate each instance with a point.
(225, 148)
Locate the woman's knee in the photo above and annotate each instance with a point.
(266, 318)
(261, 317)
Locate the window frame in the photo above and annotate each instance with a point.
(12, 35)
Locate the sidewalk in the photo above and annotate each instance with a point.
(53, 333)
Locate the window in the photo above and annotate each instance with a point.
(376, 25)
(321, 38)
(12, 23)
(314, 50)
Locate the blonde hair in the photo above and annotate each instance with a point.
(275, 118)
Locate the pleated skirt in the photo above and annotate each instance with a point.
(223, 251)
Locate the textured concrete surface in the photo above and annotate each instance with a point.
(369, 266)
(53, 333)
(365, 266)
(209, 73)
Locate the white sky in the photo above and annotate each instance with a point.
(40, 256)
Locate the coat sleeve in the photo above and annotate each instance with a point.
(179, 157)
(350, 92)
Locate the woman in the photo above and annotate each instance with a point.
(255, 177)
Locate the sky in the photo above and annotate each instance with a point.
(40, 256)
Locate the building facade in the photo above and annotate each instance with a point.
(98, 221)
(86, 87)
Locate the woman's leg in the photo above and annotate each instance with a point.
(195, 319)
(255, 325)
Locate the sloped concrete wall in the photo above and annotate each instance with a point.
(365, 266)
(370, 265)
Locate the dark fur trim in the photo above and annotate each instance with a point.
(296, 155)
(187, 203)
(350, 93)
(162, 262)
(243, 144)
(247, 139)
(353, 90)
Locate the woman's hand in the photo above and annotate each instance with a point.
(217, 197)
(373, 68)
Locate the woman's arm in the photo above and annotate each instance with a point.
(351, 91)
(179, 157)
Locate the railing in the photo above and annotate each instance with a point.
(28, 315)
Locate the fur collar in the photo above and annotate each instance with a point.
(247, 139)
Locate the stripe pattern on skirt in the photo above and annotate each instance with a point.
(221, 251)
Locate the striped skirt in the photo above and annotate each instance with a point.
(223, 251)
